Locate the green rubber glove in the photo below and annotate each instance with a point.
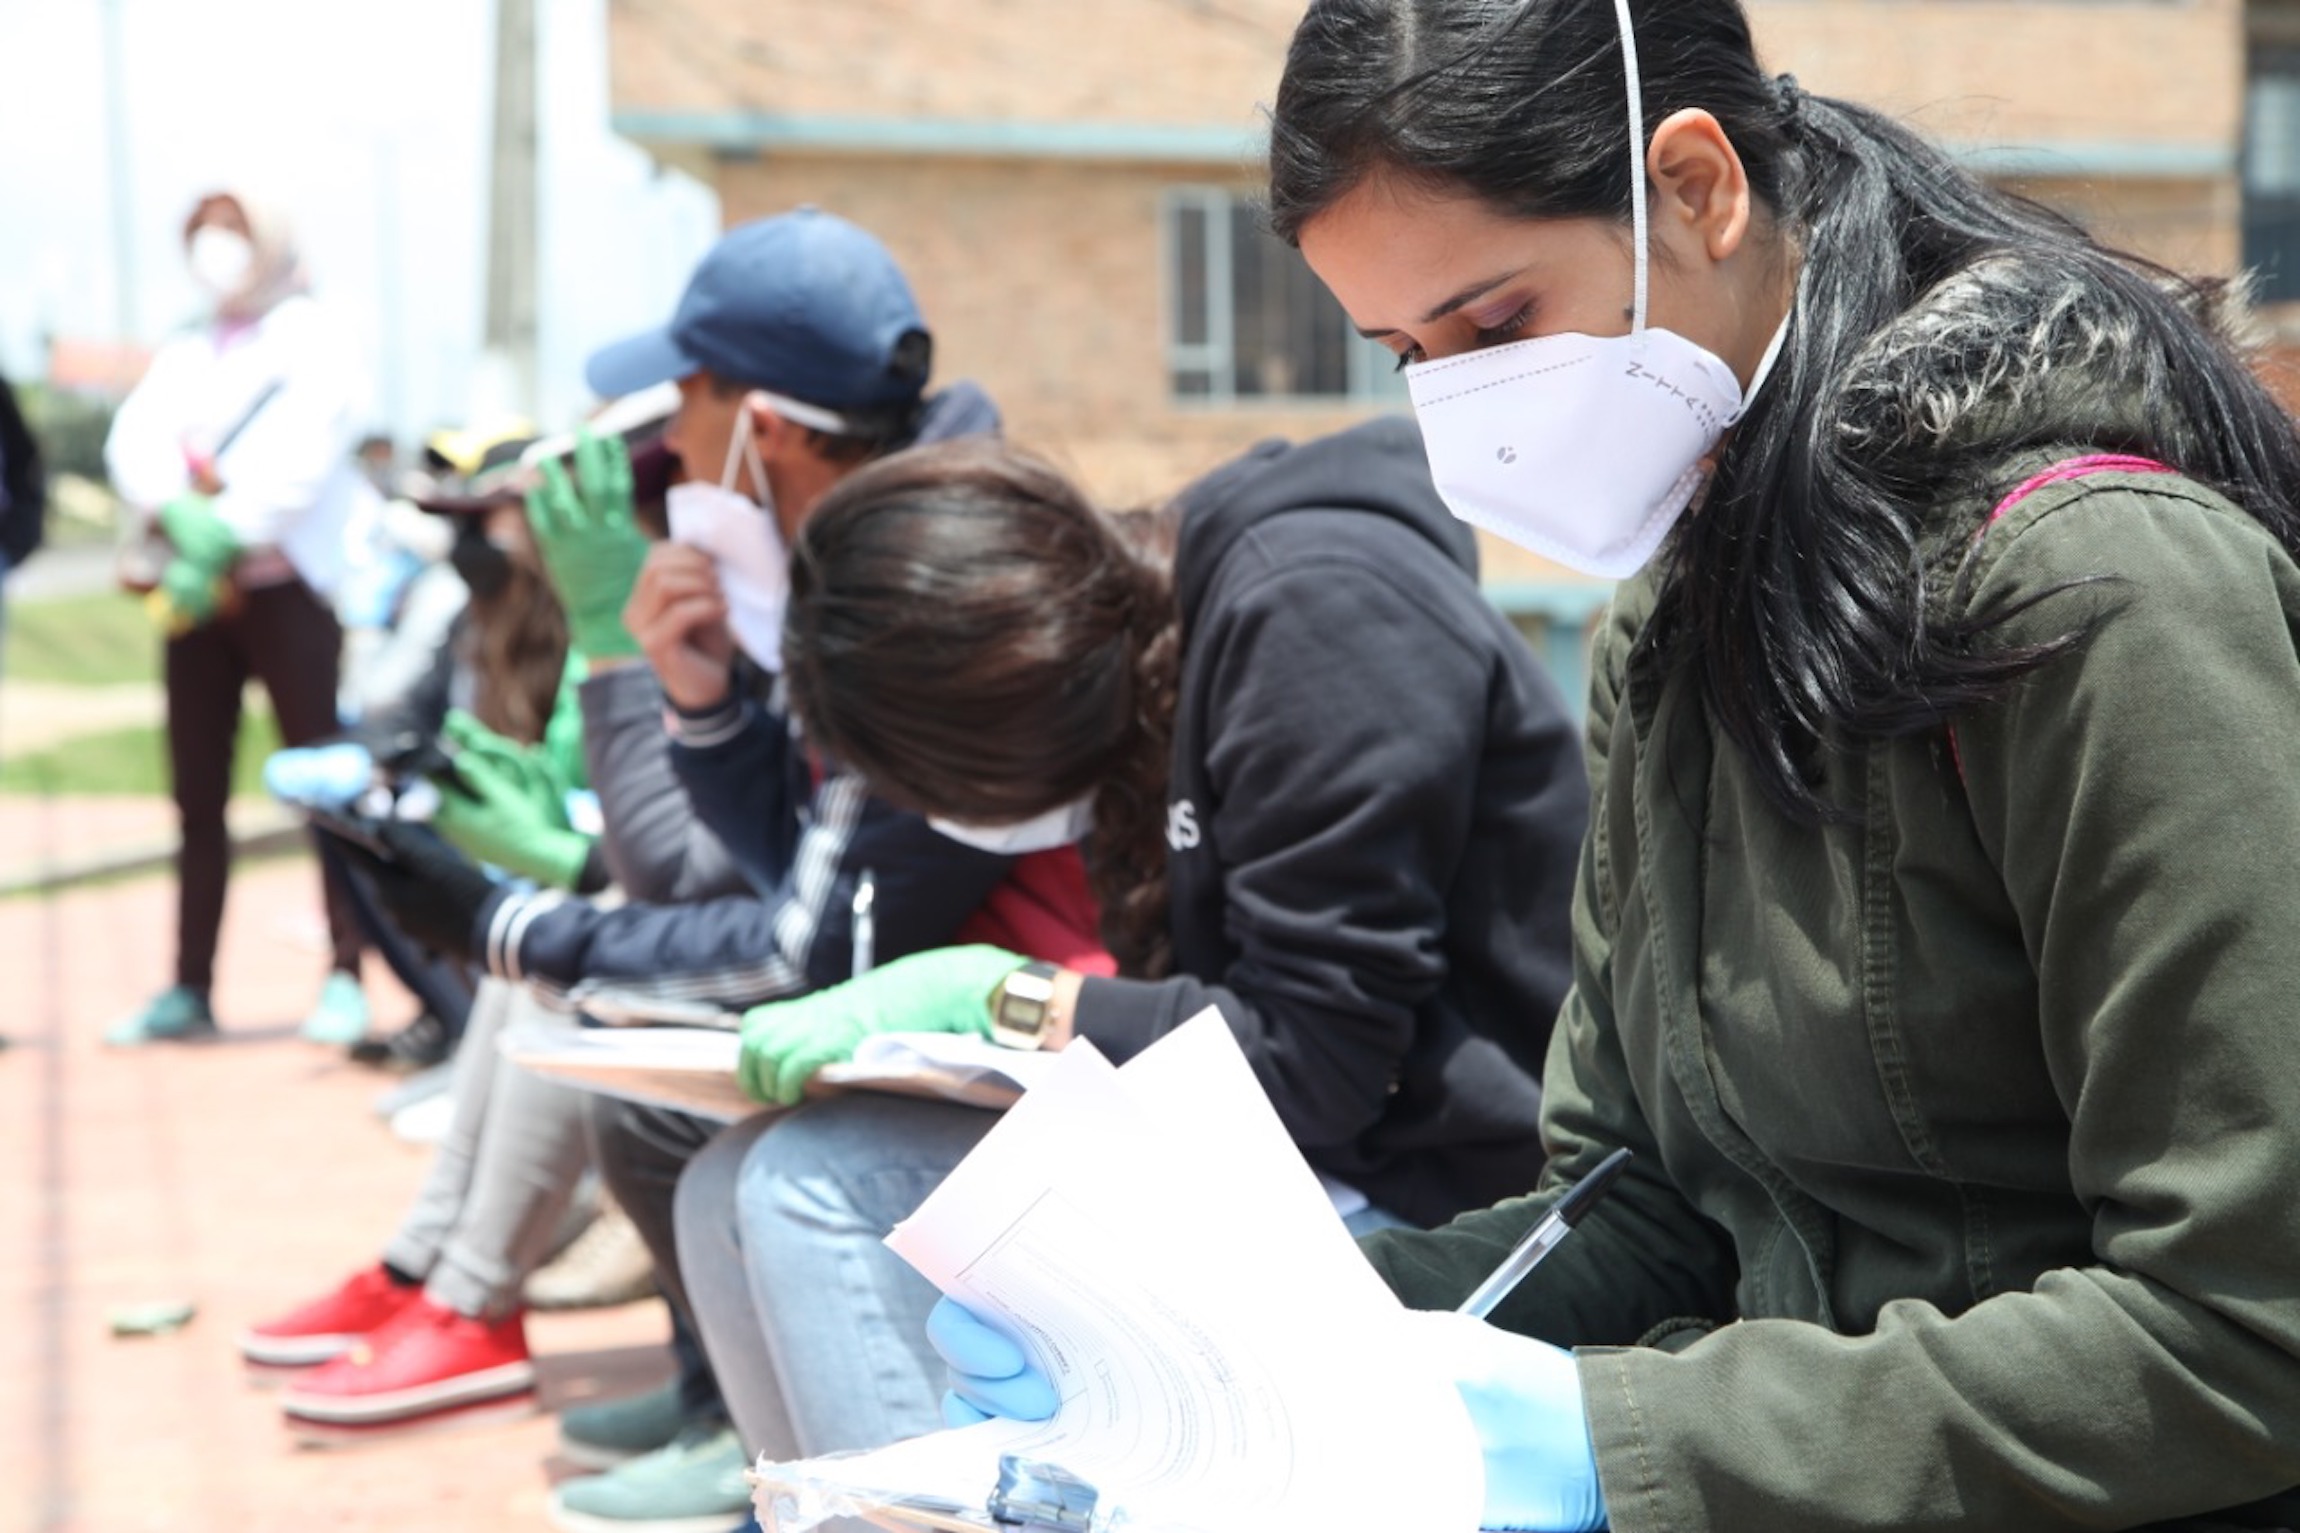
(562, 747)
(505, 806)
(590, 543)
(942, 990)
(191, 589)
(536, 769)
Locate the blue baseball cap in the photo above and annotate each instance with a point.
(804, 304)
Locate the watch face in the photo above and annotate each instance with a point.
(1019, 1019)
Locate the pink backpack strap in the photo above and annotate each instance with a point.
(2060, 473)
(2067, 469)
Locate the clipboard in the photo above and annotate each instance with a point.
(1032, 1496)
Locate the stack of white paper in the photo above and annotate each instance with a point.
(1225, 1357)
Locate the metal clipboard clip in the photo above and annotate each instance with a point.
(1038, 1497)
(1032, 1496)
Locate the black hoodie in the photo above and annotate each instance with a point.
(1375, 810)
(23, 490)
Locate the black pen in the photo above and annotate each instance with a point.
(1543, 1238)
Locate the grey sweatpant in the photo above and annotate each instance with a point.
(491, 1209)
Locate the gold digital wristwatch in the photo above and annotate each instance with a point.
(1022, 1007)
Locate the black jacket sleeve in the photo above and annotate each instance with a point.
(1343, 724)
(23, 484)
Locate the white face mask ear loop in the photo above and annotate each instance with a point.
(743, 447)
(1772, 355)
(737, 445)
(758, 467)
(1636, 156)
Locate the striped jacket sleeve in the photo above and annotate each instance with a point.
(743, 950)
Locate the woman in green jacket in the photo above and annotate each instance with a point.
(1936, 949)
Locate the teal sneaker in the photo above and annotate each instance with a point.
(341, 1014)
(609, 1432)
(694, 1484)
(176, 1015)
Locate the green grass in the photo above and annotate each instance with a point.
(82, 641)
(130, 761)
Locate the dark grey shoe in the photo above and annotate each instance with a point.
(418, 1046)
(693, 1484)
(606, 1433)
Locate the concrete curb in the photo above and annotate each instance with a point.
(267, 834)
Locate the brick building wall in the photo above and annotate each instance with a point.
(1046, 283)
(2166, 75)
(1177, 62)
(1009, 151)
(2188, 225)
(2125, 115)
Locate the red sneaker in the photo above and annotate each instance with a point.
(428, 1359)
(327, 1326)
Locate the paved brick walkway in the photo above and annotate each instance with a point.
(243, 1176)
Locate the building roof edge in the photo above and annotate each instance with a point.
(1175, 143)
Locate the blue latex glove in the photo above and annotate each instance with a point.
(320, 776)
(1524, 1397)
(990, 1376)
(370, 591)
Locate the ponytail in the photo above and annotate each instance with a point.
(1127, 850)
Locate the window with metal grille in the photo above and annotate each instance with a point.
(1250, 320)
(2272, 174)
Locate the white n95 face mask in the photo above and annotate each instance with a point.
(745, 542)
(1059, 826)
(1585, 449)
(220, 260)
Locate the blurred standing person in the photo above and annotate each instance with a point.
(23, 493)
(238, 445)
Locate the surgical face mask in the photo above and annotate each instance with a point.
(1585, 449)
(1059, 826)
(220, 259)
(744, 541)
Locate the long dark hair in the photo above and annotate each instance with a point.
(1798, 590)
(979, 642)
(514, 640)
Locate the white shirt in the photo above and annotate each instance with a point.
(288, 476)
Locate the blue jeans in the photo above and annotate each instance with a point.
(816, 1330)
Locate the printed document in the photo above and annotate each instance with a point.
(1226, 1359)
